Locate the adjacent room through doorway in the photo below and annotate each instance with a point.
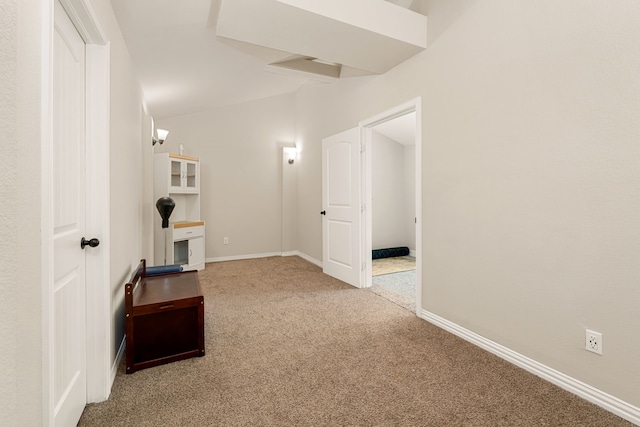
(393, 209)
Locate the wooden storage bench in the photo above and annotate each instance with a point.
(164, 318)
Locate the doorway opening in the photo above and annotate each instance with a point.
(392, 230)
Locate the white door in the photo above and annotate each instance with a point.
(68, 219)
(341, 211)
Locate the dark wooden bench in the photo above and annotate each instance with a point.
(164, 318)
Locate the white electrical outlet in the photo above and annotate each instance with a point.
(593, 341)
(226, 240)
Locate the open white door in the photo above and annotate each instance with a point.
(341, 233)
(68, 294)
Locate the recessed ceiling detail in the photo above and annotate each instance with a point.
(325, 38)
(307, 67)
(185, 66)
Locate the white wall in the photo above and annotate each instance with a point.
(8, 215)
(409, 219)
(318, 115)
(289, 204)
(241, 172)
(24, 27)
(147, 202)
(21, 26)
(388, 193)
(130, 175)
(530, 175)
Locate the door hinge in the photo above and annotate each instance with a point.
(364, 265)
(363, 207)
(363, 147)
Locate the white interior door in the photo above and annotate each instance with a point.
(68, 221)
(341, 207)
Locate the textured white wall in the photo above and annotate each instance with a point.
(410, 195)
(21, 26)
(8, 214)
(530, 175)
(241, 171)
(289, 204)
(388, 193)
(530, 182)
(21, 98)
(321, 112)
(129, 179)
(147, 202)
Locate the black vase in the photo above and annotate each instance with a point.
(165, 206)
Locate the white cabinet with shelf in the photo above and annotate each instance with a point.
(178, 177)
(186, 245)
(182, 173)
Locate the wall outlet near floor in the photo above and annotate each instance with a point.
(593, 341)
(226, 240)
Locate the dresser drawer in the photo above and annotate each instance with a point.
(188, 232)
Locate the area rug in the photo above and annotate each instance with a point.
(399, 288)
(392, 265)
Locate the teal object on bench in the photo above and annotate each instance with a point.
(163, 269)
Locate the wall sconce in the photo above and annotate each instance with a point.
(162, 135)
(291, 152)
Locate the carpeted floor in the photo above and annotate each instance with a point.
(289, 346)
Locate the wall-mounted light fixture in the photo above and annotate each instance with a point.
(162, 135)
(291, 153)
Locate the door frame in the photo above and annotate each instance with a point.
(413, 105)
(98, 295)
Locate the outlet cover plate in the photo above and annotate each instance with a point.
(593, 341)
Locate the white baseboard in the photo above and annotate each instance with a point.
(266, 255)
(116, 363)
(610, 403)
(239, 257)
(304, 257)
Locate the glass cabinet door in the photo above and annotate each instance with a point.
(183, 176)
(176, 174)
(191, 175)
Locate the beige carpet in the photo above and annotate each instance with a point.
(289, 346)
(382, 266)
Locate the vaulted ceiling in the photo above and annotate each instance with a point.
(201, 54)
